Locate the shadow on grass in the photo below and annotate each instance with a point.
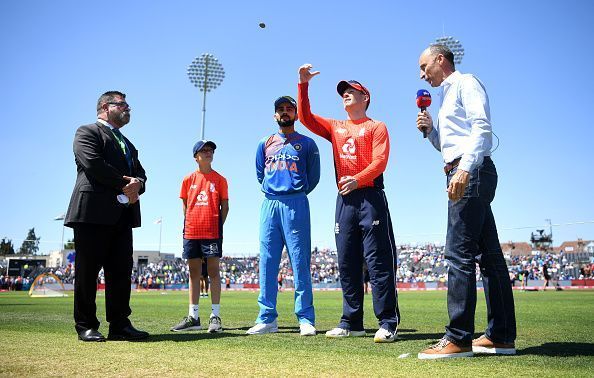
(191, 336)
(400, 330)
(184, 337)
(567, 349)
(403, 334)
(411, 334)
(281, 329)
(431, 338)
(286, 328)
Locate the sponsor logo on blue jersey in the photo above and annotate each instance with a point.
(280, 157)
(281, 162)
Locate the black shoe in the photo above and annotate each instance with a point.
(127, 333)
(91, 335)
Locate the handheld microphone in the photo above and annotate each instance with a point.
(423, 101)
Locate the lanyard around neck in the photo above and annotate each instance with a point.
(118, 135)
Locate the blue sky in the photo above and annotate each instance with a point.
(58, 56)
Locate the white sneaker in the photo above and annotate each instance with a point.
(384, 336)
(341, 332)
(215, 325)
(306, 329)
(262, 328)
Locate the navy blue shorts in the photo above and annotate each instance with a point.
(202, 248)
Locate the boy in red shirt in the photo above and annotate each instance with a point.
(206, 204)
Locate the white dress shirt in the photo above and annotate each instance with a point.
(463, 125)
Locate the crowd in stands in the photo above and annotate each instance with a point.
(421, 264)
(238, 271)
(424, 263)
(586, 271)
(559, 268)
(18, 283)
(65, 273)
(428, 264)
(324, 266)
(11, 283)
(156, 275)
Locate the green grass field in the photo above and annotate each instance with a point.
(555, 338)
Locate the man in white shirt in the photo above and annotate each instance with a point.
(462, 132)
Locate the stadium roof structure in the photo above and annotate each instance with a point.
(525, 249)
(576, 246)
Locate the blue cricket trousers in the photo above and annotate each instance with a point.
(284, 221)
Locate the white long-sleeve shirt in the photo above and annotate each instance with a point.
(463, 125)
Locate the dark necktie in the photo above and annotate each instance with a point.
(125, 150)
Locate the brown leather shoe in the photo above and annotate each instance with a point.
(483, 345)
(445, 349)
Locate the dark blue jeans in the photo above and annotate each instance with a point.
(472, 238)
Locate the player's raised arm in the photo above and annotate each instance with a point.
(316, 124)
(305, 73)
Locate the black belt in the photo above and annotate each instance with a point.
(449, 166)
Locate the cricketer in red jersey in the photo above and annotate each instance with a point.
(363, 228)
(205, 198)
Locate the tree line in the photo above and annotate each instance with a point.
(30, 245)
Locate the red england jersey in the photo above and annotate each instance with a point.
(203, 193)
(361, 147)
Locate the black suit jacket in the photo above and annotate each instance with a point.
(100, 165)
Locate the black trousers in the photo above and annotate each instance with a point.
(108, 247)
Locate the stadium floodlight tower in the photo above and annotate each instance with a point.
(206, 73)
(454, 45)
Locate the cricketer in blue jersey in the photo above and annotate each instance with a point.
(288, 167)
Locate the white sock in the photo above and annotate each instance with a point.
(193, 312)
(216, 309)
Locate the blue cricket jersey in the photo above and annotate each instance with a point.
(287, 164)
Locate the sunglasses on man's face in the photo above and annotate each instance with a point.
(121, 104)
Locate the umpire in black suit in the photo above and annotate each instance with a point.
(103, 209)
